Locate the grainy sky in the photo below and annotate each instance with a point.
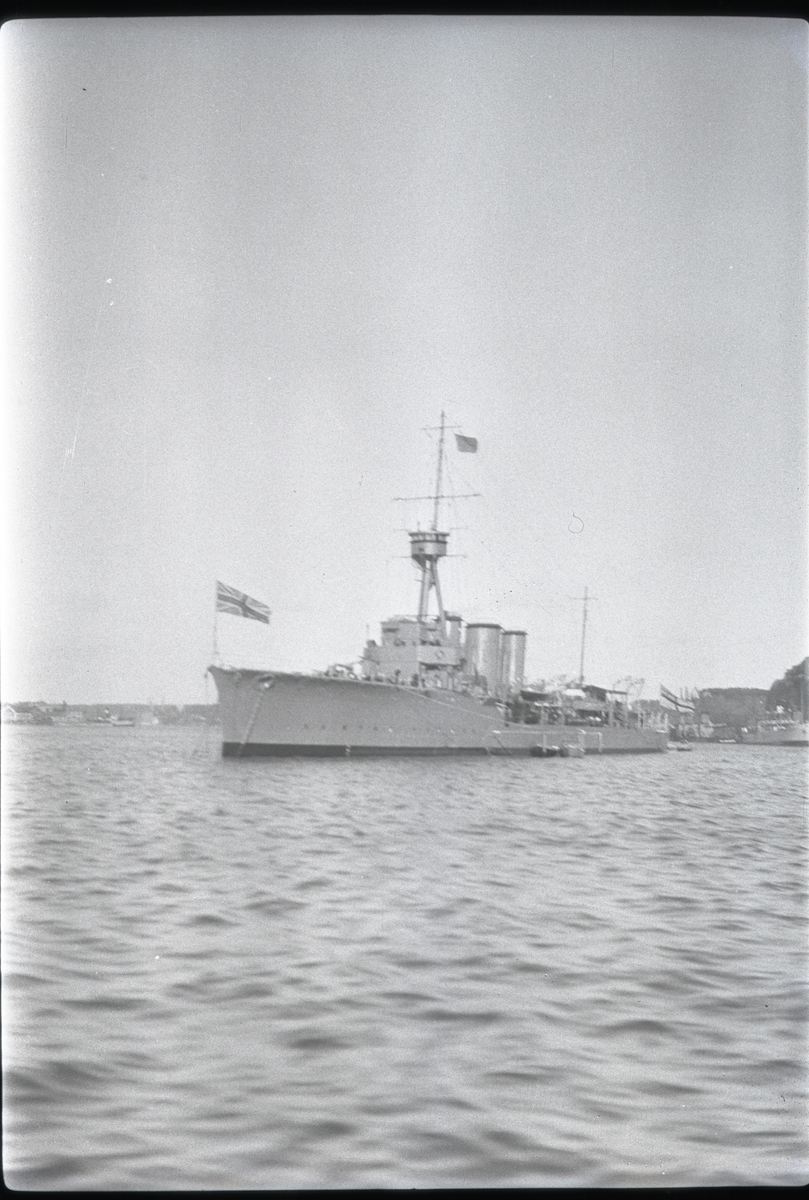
(251, 259)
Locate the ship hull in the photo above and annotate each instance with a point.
(792, 735)
(277, 715)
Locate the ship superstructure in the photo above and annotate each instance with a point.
(431, 650)
(431, 685)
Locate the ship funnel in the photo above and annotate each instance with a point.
(512, 660)
(483, 651)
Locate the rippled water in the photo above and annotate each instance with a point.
(400, 973)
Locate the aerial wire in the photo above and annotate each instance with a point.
(70, 451)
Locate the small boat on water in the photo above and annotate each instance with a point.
(430, 686)
(108, 718)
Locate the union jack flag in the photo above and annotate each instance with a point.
(230, 601)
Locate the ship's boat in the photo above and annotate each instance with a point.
(108, 718)
(777, 731)
(430, 686)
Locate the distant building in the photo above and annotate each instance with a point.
(706, 728)
(11, 716)
(27, 713)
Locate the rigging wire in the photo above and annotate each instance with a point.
(455, 482)
(523, 582)
(70, 451)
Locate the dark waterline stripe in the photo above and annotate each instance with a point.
(298, 750)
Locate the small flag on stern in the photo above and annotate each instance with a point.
(466, 445)
(230, 601)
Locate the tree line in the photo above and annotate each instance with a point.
(746, 706)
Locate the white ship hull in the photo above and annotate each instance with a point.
(270, 714)
(791, 733)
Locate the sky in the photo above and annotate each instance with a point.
(251, 261)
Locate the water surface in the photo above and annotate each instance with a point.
(400, 973)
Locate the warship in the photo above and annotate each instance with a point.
(431, 685)
(782, 730)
